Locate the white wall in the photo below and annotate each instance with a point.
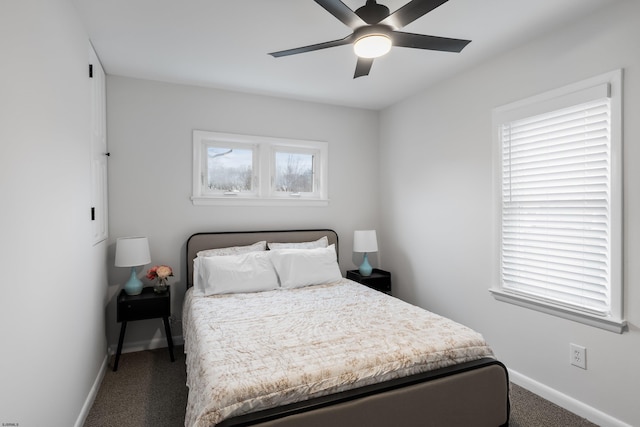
(437, 211)
(52, 331)
(150, 128)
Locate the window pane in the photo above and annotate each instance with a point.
(294, 172)
(229, 169)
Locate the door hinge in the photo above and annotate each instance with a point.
(90, 71)
(93, 214)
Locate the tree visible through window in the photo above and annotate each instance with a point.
(294, 172)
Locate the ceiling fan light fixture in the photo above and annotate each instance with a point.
(372, 46)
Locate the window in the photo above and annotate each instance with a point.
(294, 172)
(229, 169)
(234, 169)
(560, 204)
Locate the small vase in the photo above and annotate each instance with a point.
(161, 286)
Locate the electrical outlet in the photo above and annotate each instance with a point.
(578, 356)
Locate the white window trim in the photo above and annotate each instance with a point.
(550, 101)
(263, 194)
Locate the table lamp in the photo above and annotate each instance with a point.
(132, 252)
(365, 241)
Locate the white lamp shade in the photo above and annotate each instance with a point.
(365, 241)
(132, 251)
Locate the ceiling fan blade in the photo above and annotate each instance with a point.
(313, 47)
(421, 41)
(363, 67)
(342, 12)
(410, 12)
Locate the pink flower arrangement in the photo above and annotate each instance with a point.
(160, 272)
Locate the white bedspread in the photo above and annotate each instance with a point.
(246, 352)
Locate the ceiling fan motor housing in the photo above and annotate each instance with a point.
(372, 12)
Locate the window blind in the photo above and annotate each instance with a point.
(555, 234)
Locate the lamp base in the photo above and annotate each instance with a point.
(365, 268)
(134, 285)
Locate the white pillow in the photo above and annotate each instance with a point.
(234, 250)
(304, 267)
(250, 272)
(322, 242)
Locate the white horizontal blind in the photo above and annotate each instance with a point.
(556, 204)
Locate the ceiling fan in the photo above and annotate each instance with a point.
(375, 31)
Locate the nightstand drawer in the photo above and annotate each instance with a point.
(379, 280)
(147, 305)
(382, 284)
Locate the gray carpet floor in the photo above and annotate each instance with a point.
(149, 390)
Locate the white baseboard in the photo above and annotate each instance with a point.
(566, 402)
(93, 392)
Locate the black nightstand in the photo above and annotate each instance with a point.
(379, 280)
(147, 305)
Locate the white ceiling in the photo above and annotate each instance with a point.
(225, 44)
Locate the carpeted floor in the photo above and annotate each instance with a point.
(530, 410)
(146, 390)
(149, 390)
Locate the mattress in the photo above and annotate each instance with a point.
(251, 351)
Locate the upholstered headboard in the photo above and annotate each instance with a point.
(201, 241)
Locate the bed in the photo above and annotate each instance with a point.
(322, 350)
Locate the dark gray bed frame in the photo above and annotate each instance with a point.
(469, 394)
